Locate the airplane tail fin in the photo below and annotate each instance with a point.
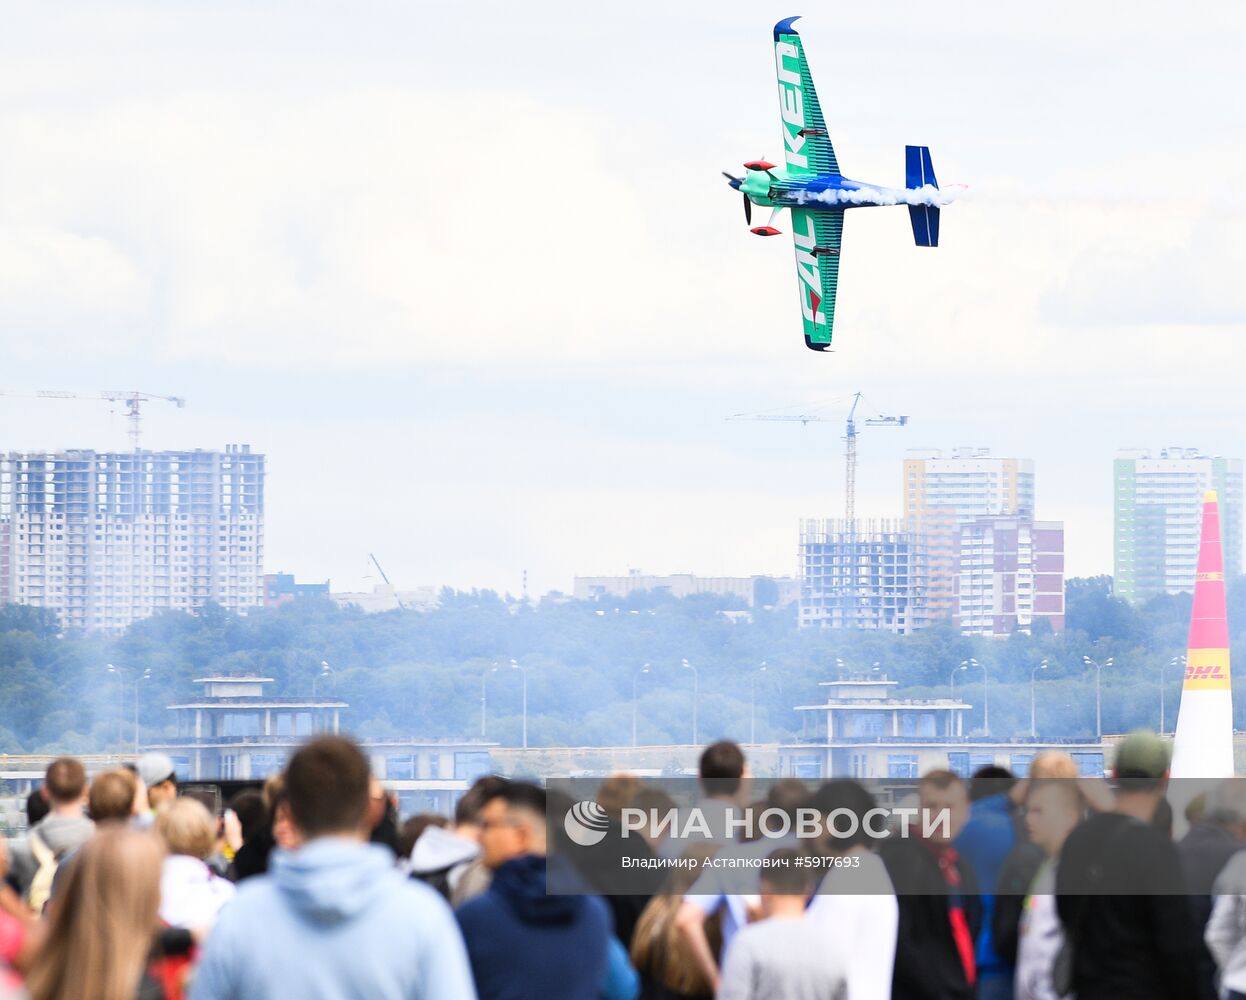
(919, 172)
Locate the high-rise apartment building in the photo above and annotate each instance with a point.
(106, 538)
(1010, 575)
(943, 494)
(1158, 512)
(863, 574)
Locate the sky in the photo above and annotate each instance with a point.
(469, 276)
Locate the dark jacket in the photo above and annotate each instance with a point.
(1120, 896)
(928, 966)
(524, 944)
(1204, 851)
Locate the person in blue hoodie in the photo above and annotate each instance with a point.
(333, 918)
(985, 843)
(524, 943)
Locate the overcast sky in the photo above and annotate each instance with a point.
(468, 275)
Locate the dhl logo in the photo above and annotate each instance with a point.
(1208, 670)
(1205, 672)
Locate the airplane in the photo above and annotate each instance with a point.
(811, 186)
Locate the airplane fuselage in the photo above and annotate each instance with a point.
(771, 188)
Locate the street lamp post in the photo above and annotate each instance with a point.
(120, 672)
(1171, 663)
(484, 705)
(952, 685)
(325, 671)
(986, 694)
(635, 680)
(1033, 673)
(145, 676)
(1098, 699)
(752, 704)
(524, 673)
(952, 682)
(696, 697)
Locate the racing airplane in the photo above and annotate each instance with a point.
(811, 185)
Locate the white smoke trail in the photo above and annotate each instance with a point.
(925, 195)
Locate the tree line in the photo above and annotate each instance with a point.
(420, 675)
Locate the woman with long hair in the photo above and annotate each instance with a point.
(103, 922)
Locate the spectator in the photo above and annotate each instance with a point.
(457, 862)
(332, 918)
(382, 817)
(37, 805)
(940, 914)
(655, 804)
(159, 777)
(725, 891)
(1053, 809)
(99, 938)
(62, 831)
(1119, 891)
(17, 937)
(522, 942)
(257, 828)
(1225, 932)
(411, 829)
(111, 799)
(1024, 860)
(1213, 838)
(985, 843)
(855, 903)
(786, 955)
(668, 969)
(226, 830)
(191, 893)
(722, 771)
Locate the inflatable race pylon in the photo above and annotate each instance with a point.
(1203, 743)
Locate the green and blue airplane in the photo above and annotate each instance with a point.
(811, 186)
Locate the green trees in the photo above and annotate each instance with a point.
(412, 674)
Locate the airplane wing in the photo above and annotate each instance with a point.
(806, 142)
(818, 235)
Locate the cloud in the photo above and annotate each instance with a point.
(378, 226)
(1157, 266)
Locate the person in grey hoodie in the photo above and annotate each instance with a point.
(62, 831)
(333, 918)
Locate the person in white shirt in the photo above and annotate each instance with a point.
(855, 905)
(191, 894)
(732, 884)
(786, 955)
(1052, 809)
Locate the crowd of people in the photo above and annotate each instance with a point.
(1035, 887)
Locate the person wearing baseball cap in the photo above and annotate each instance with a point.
(1130, 931)
(159, 777)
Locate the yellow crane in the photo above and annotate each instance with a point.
(132, 398)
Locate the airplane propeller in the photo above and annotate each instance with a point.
(735, 182)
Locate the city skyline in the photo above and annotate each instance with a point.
(260, 243)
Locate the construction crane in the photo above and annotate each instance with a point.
(386, 579)
(133, 402)
(850, 443)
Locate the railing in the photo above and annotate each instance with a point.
(1070, 741)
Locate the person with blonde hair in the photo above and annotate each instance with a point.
(101, 933)
(191, 894)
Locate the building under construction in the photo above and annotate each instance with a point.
(862, 574)
(105, 538)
